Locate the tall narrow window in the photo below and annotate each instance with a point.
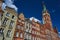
(18, 26)
(17, 34)
(11, 24)
(1, 31)
(22, 28)
(48, 37)
(9, 33)
(21, 35)
(0, 15)
(5, 21)
(0, 19)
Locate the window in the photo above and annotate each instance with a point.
(0, 22)
(9, 33)
(29, 37)
(22, 28)
(26, 27)
(29, 29)
(17, 34)
(0, 15)
(18, 27)
(1, 31)
(21, 35)
(13, 17)
(8, 14)
(11, 24)
(5, 21)
(48, 37)
(33, 38)
(22, 22)
(48, 32)
(35, 32)
(0, 19)
(19, 20)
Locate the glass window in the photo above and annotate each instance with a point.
(5, 21)
(21, 35)
(29, 37)
(33, 32)
(0, 15)
(11, 24)
(26, 26)
(19, 20)
(0, 22)
(9, 33)
(18, 27)
(33, 38)
(13, 17)
(22, 28)
(8, 14)
(48, 37)
(22, 22)
(1, 31)
(17, 34)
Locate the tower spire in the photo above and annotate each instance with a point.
(44, 7)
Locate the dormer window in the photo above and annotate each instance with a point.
(8, 14)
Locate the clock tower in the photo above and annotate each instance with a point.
(46, 18)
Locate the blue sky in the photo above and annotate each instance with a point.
(33, 8)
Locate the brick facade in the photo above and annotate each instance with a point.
(26, 29)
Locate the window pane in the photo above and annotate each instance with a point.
(13, 17)
(17, 34)
(9, 33)
(18, 27)
(21, 35)
(11, 24)
(5, 21)
(19, 20)
(21, 28)
(1, 31)
(8, 14)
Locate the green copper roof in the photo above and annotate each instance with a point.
(44, 8)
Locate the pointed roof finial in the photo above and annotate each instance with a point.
(44, 7)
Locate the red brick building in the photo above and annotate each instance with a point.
(19, 30)
(34, 30)
(50, 33)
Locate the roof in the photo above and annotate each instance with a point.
(11, 10)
